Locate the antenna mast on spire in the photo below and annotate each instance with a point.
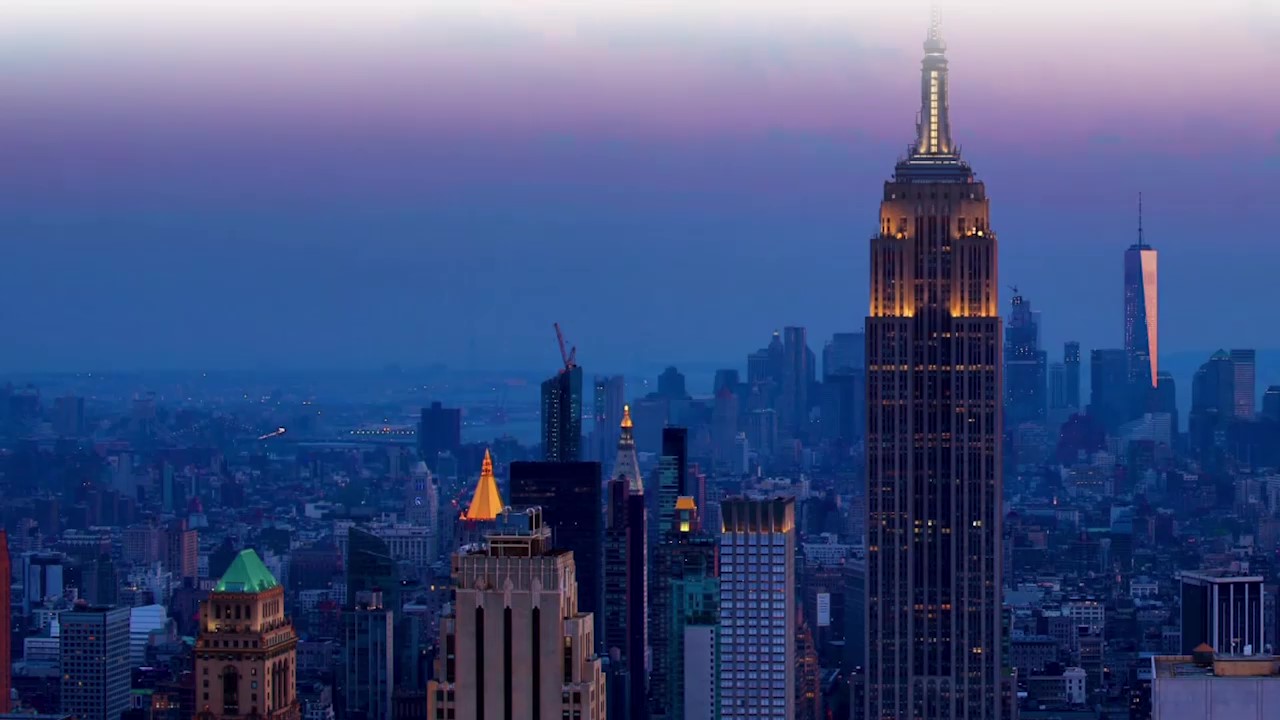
(1141, 242)
(935, 21)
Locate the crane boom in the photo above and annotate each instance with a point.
(568, 357)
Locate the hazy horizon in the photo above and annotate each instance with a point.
(275, 184)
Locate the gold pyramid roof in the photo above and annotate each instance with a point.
(486, 504)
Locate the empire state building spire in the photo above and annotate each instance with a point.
(933, 128)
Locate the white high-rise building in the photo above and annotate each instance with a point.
(757, 609)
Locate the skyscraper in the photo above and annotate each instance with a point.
(1110, 388)
(370, 567)
(1071, 363)
(796, 369)
(626, 582)
(1245, 363)
(934, 418)
(95, 661)
(673, 465)
(609, 395)
(1141, 310)
(562, 416)
(516, 646)
(6, 623)
(1024, 368)
(567, 492)
(368, 652)
(1271, 403)
(246, 651)
(439, 431)
(687, 594)
(757, 609)
(1213, 403)
(1225, 611)
(1057, 387)
(844, 352)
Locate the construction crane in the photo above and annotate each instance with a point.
(569, 358)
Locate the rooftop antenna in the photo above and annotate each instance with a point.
(1141, 242)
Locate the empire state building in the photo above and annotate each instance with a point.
(933, 432)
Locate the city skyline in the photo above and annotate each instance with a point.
(290, 199)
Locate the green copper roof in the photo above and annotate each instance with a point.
(247, 574)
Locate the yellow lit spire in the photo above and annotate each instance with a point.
(626, 416)
(486, 504)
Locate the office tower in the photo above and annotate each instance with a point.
(724, 426)
(1224, 611)
(844, 352)
(1071, 361)
(246, 651)
(370, 566)
(368, 652)
(143, 621)
(6, 623)
(687, 596)
(1213, 403)
(1141, 310)
(758, 367)
(439, 431)
(1271, 403)
(933, 352)
(673, 467)
(757, 609)
(1110, 390)
(42, 577)
(1246, 389)
(671, 384)
(68, 420)
(626, 584)
(844, 406)
(567, 494)
(562, 415)
(516, 646)
(607, 401)
(1057, 386)
(486, 503)
(1165, 399)
(182, 550)
(762, 432)
(1024, 367)
(94, 656)
(725, 378)
(793, 409)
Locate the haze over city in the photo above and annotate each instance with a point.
(243, 185)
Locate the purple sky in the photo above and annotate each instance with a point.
(281, 184)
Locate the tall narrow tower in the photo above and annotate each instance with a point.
(934, 421)
(1141, 310)
(626, 582)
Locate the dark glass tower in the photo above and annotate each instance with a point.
(567, 493)
(562, 416)
(934, 419)
(1025, 363)
(439, 430)
(1071, 363)
(1110, 391)
(370, 567)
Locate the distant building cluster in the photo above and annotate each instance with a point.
(943, 519)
